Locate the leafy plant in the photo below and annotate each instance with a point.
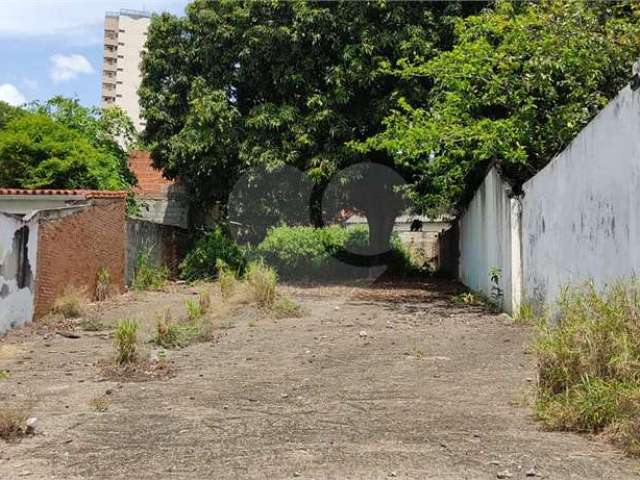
(126, 341)
(497, 294)
(214, 246)
(148, 275)
(167, 333)
(284, 307)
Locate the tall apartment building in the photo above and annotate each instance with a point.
(125, 33)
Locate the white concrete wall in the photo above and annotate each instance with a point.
(16, 304)
(485, 238)
(581, 214)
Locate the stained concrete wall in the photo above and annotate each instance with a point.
(168, 244)
(581, 214)
(485, 239)
(18, 251)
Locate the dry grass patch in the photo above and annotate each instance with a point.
(100, 404)
(70, 303)
(589, 364)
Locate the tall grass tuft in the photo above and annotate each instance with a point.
(589, 363)
(262, 280)
(103, 284)
(126, 341)
(227, 279)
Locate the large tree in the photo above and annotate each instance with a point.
(522, 80)
(237, 84)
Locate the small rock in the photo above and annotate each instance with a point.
(31, 425)
(68, 440)
(336, 308)
(363, 334)
(297, 474)
(225, 407)
(285, 395)
(494, 462)
(393, 474)
(531, 473)
(505, 474)
(108, 392)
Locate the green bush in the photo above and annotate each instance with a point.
(148, 275)
(126, 341)
(589, 363)
(307, 252)
(200, 262)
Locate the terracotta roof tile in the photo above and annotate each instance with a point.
(83, 193)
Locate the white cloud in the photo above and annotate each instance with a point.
(79, 21)
(11, 95)
(68, 67)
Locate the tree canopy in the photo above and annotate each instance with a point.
(61, 144)
(521, 81)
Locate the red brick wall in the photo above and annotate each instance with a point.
(72, 248)
(150, 180)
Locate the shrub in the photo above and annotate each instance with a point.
(589, 363)
(307, 252)
(148, 275)
(262, 280)
(69, 304)
(201, 261)
(126, 341)
(103, 284)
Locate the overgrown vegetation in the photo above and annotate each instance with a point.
(126, 341)
(589, 364)
(196, 326)
(307, 252)
(213, 247)
(69, 304)
(227, 279)
(148, 275)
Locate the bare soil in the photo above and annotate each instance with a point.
(390, 381)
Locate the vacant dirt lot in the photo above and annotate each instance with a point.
(372, 383)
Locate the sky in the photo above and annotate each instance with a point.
(54, 47)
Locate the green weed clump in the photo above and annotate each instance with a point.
(217, 245)
(589, 364)
(148, 275)
(262, 281)
(126, 341)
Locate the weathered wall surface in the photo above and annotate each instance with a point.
(581, 214)
(162, 200)
(74, 243)
(485, 238)
(18, 247)
(168, 244)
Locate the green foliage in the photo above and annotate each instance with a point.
(148, 275)
(167, 332)
(7, 112)
(262, 279)
(284, 307)
(126, 341)
(307, 252)
(497, 294)
(216, 245)
(283, 83)
(521, 81)
(61, 144)
(589, 375)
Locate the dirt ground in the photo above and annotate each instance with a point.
(392, 381)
